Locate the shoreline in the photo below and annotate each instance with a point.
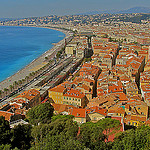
(22, 73)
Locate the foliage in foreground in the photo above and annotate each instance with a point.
(61, 132)
(40, 114)
(138, 139)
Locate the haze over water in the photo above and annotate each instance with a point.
(21, 45)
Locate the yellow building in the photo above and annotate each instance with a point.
(135, 107)
(137, 112)
(56, 94)
(116, 112)
(86, 90)
(75, 98)
(69, 50)
(131, 89)
(135, 120)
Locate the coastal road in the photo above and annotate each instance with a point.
(21, 89)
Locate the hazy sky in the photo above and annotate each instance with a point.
(27, 8)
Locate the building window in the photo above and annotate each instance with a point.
(69, 98)
(64, 97)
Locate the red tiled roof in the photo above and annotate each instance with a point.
(74, 93)
(30, 94)
(6, 114)
(78, 112)
(99, 110)
(61, 107)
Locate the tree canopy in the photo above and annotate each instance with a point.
(92, 136)
(40, 114)
(21, 136)
(109, 126)
(55, 117)
(4, 131)
(59, 134)
(138, 139)
(63, 133)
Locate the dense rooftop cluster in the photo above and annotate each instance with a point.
(110, 76)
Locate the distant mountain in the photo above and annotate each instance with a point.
(128, 11)
(98, 12)
(8, 19)
(136, 10)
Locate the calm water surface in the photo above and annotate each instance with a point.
(21, 45)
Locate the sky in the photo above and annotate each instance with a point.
(35, 8)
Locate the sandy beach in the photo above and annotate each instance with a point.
(36, 63)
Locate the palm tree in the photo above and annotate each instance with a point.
(19, 82)
(11, 87)
(5, 91)
(30, 75)
(23, 80)
(27, 78)
(33, 73)
(1, 93)
(15, 84)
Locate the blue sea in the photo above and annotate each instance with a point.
(21, 45)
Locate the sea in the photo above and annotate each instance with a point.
(21, 45)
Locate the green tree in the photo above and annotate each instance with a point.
(11, 87)
(60, 142)
(92, 136)
(15, 84)
(46, 58)
(20, 82)
(40, 114)
(109, 126)
(5, 147)
(4, 131)
(33, 73)
(58, 55)
(6, 90)
(59, 134)
(21, 136)
(27, 78)
(23, 80)
(138, 139)
(61, 116)
(1, 93)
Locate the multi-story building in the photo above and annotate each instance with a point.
(57, 93)
(75, 98)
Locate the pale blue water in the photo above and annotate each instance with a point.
(21, 45)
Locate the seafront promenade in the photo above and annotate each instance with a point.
(35, 64)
